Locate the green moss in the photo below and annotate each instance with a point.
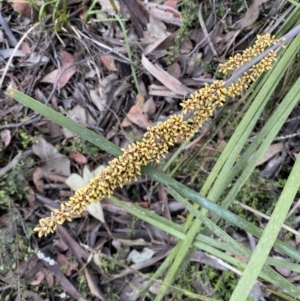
(84, 147)
(221, 9)
(15, 235)
(208, 67)
(26, 139)
(13, 182)
(221, 283)
(189, 16)
(82, 284)
(258, 193)
(111, 294)
(183, 282)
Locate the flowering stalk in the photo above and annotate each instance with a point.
(157, 140)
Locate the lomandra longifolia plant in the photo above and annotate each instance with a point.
(157, 140)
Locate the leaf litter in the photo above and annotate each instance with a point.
(83, 71)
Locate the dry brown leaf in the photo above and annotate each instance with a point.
(174, 70)
(108, 62)
(53, 177)
(171, 3)
(39, 277)
(69, 266)
(11, 86)
(271, 152)
(164, 13)
(99, 99)
(52, 160)
(35, 58)
(193, 62)
(60, 245)
(49, 279)
(161, 91)
(149, 107)
(26, 82)
(30, 295)
(251, 14)
(160, 45)
(136, 114)
(62, 75)
(111, 133)
(42, 126)
(93, 287)
(5, 138)
(26, 48)
(78, 157)
(54, 129)
(80, 115)
(126, 122)
(50, 77)
(67, 69)
(37, 178)
(156, 29)
(22, 7)
(165, 78)
(186, 46)
(31, 197)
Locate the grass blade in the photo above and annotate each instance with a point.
(269, 236)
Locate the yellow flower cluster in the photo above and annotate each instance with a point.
(157, 140)
(248, 54)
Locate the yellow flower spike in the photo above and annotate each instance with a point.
(41, 231)
(157, 140)
(259, 46)
(233, 90)
(242, 84)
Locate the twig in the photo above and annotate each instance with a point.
(207, 37)
(9, 34)
(33, 119)
(14, 162)
(15, 50)
(265, 216)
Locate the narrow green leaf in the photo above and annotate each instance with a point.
(269, 236)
